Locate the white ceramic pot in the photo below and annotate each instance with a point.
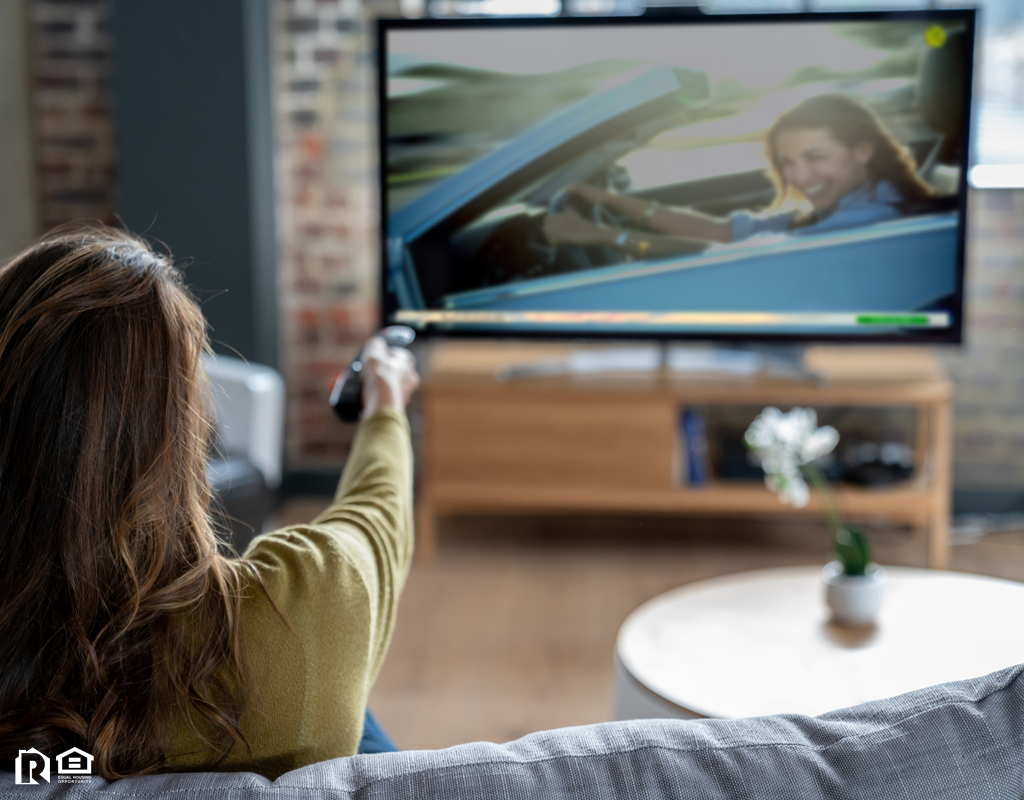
(853, 599)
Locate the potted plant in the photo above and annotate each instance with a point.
(788, 447)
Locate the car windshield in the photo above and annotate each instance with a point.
(441, 117)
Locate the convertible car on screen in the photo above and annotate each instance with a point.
(470, 249)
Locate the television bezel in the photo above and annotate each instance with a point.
(694, 17)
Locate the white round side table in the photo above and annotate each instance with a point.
(760, 643)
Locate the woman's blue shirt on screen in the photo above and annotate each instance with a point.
(870, 203)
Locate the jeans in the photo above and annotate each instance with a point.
(374, 739)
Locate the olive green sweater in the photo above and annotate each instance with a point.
(336, 582)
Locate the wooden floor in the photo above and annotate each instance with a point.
(512, 628)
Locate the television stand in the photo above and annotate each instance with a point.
(610, 441)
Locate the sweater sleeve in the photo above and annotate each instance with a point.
(372, 512)
(334, 584)
(368, 526)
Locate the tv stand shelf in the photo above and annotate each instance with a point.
(610, 441)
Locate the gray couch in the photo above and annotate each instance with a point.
(959, 741)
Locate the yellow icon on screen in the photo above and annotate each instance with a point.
(935, 36)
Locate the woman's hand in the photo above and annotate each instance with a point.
(568, 227)
(389, 376)
(592, 194)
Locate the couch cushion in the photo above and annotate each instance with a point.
(959, 741)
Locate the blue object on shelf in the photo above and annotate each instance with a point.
(695, 445)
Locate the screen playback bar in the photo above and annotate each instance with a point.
(724, 319)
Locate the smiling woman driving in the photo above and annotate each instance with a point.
(829, 153)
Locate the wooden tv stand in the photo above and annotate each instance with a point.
(611, 441)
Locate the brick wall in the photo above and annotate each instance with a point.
(988, 371)
(327, 226)
(327, 220)
(73, 128)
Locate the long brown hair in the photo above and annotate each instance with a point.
(119, 621)
(851, 124)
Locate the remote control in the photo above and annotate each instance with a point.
(347, 393)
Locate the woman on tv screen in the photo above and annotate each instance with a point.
(828, 151)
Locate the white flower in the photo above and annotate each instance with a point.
(789, 485)
(819, 443)
(782, 443)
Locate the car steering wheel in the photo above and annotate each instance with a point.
(573, 252)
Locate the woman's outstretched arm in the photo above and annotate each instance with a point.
(372, 506)
(682, 223)
(568, 227)
(334, 584)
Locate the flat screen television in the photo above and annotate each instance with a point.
(774, 177)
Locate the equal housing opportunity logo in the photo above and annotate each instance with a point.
(73, 766)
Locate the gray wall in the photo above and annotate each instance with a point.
(195, 154)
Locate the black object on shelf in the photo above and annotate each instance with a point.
(873, 464)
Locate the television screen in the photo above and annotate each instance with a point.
(771, 177)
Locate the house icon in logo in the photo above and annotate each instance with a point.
(74, 762)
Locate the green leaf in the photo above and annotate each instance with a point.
(852, 550)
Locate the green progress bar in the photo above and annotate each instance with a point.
(892, 319)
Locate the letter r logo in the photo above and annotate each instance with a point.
(31, 764)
